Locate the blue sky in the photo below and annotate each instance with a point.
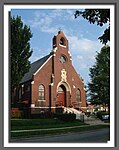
(82, 36)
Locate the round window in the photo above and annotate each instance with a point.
(63, 59)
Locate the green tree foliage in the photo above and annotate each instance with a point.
(99, 87)
(20, 50)
(98, 16)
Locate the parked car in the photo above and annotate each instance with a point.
(105, 117)
(102, 115)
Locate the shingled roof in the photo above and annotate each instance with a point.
(34, 67)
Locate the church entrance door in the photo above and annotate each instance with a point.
(62, 95)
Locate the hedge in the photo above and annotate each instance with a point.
(65, 117)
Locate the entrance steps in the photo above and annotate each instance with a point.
(79, 114)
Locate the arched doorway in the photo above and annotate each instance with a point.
(61, 97)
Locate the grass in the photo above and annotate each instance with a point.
(23, 124)
(56, 131)
(27, 124)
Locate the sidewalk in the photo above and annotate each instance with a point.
(94, 121)
(48, 129)
(89, 121)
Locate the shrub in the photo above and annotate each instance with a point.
(16, 113)
(26, 112)
(59, 110)
(42, 115)
(65, 117)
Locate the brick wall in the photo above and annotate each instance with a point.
(50, 77)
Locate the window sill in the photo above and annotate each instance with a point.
(41, 100)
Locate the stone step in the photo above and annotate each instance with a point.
(79, 114)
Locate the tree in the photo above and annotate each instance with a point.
(99, 87)
(98, 16)
(20, 50)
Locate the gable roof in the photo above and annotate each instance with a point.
(34, 67)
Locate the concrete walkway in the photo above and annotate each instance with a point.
(48, 129)
(94, 121)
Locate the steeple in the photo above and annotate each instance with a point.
(60, 40)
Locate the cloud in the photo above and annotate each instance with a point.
(79, 57)
(43, 23)
(83, 52)
(83, 66)
(47, 21)
(83, 46)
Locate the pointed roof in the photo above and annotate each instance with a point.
(34, 67)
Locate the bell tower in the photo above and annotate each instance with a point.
(60, 49)
(60, 41)
(61, 63)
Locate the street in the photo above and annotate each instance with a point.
(95, 136)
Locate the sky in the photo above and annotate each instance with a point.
(82, 36)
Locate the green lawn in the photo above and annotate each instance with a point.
(27, 124)
(23, 124)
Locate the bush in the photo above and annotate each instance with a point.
(16, 113)
(43, 115)
(26, 112)
(65, 117)
(59, 110)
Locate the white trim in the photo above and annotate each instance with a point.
(51, 84)
(84, 107)
(74, 86)
(22, 85)
(42, 107)
(62, 45)
(79, 102)
(41, 100)
(32, 105)
(54, 54)
(42, 65)
(69, 54)
(55, 49)
(66, 84)
(32, 82)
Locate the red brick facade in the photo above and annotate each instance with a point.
(60, 83)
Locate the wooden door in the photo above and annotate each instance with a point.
(61, 98)
(61, 95)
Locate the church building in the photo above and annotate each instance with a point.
(52, 81)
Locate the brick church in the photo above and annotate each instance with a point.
(52, 81)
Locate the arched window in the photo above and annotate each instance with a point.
(78, 95)
(62, 41)
(41, 92)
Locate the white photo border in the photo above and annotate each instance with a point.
(8, 8)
